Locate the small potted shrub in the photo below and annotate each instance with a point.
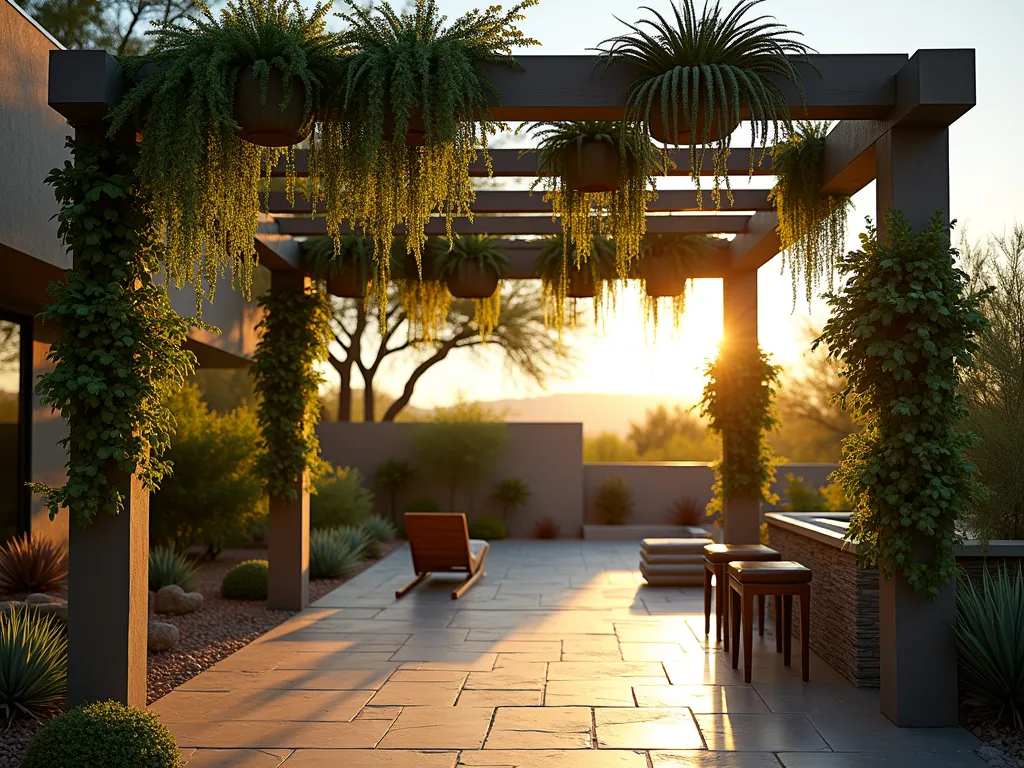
(264, 62)
(473, 269)
(599, 177)
(563, 277)
(613, 501)
(700, 71)
(545, 529)
(346, 267)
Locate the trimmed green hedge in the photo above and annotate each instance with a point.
(246, 581)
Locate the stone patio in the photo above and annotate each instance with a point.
(557, 659)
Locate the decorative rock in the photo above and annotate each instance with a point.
(174, 600)
(995, 757)
(162, 637)
(60, 610)
(38, 598)
(8, 606)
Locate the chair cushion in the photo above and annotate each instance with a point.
(477, 547)
(726, 553)
(778, 572)
(647, 557)
(658, 579)
(673, 569)
(674, 546)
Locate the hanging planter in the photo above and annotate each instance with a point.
(346, 268)
(279, 119)
(599, 177)
(473, 269)
(666, 269)
(424, 295)
(376, 154)
(563, 280)
(704, 69)
(812, 225)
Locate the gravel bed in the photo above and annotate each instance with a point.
(1006, 740)
(14, 741)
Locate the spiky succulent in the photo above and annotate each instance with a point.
(32, 565)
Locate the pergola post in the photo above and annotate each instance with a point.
(742, 514)
(918, 651)
(288, 524)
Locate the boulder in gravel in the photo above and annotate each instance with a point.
(38, 598)
(162, 637)
(60, 610)
(175, 601)
(8, 606)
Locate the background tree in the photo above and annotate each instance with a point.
(529, 349)
(391, 476)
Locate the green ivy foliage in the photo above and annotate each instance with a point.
(904, 327)
(737, 401)
(293, 339)
(120, 348)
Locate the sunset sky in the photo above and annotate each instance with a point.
(987, 193)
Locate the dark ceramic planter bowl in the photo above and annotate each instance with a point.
(412, 274)
(662, 276)
(581, 284)
(687, 136)
(267, 125)
(349, 283)
(593, 167)
(473, 281)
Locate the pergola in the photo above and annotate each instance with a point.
(893, 113)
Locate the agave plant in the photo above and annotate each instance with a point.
(990, 645)
(379, 530)
(564, 279)
(812, 225)
(620, 212)
(334, 553)
(33, 663)
(474, 265)
(205, 179)
(32, 565)
(703, 73)
(416, 102)
(168, 567)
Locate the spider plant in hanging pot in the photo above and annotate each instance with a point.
(812, 225)
(564, 280)
(599, 177)
(473, 268)
(346, 267)
(702, 73)
(204, 179)
(402, 69)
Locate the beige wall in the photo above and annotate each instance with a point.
(548, 457)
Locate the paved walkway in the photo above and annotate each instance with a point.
(557, 659)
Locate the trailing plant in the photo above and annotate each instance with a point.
(106, 733)
(737, 402)
(205, 180)
(120, 348)
(511, 494)
(701, 71)
(669, 256)
(340, 499)
(392, 476)
(332, 556)
(293, 339)
(812, 224)
(990, 645)
(622, 213)
(904, 326)
(422, 294)
(32, 565)
(33, 663)
(167, 567)
(409, 72)
(485, 254)
(556, 270)
(488, 528)
(246, 581)
(323, 258)
(613, 501)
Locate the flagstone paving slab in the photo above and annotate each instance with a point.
(417, 694)
(439, 728)
(541, 728)
(367, 677)
(284, 734)
(589, 693)
(340, 706)
(485, 698)
(237, 758)
(515, 676)
(760, 733)
(706, 759)
(701, 698)
(587, 670)
(622, 728)
(370, 758)
(570, 758)
(652, 651)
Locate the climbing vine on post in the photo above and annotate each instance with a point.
(737, 401)
(120, 348)
(904, 328)
(293, 339)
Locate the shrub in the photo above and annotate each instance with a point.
(990, 645)
(168, 567)
(379, 529)
(687, 511)
(103, 735)
(358, 538)
(340, 499)
(392, 476)
(333, 554)
(423, 505)
(32, 565)
(614, 501)
(545, 529)
(802, 498)
(246, 581)
(488, 528)
(214, 498)
(511, 493)
(33, 663)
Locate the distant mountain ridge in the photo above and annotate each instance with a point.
(597, 412)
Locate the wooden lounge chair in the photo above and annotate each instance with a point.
(440, 543)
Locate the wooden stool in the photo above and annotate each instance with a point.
(716, 558)
(782, 579)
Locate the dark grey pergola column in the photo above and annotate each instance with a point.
(288, 524)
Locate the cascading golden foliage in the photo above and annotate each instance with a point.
(426, 304)
(487, 312)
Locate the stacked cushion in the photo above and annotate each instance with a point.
(673, 562)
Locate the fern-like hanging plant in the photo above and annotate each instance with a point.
(205, 181)
(621, 213)
(409, 71)
(703, 73)
(483, 253)
(812, 225)
(557, 266)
